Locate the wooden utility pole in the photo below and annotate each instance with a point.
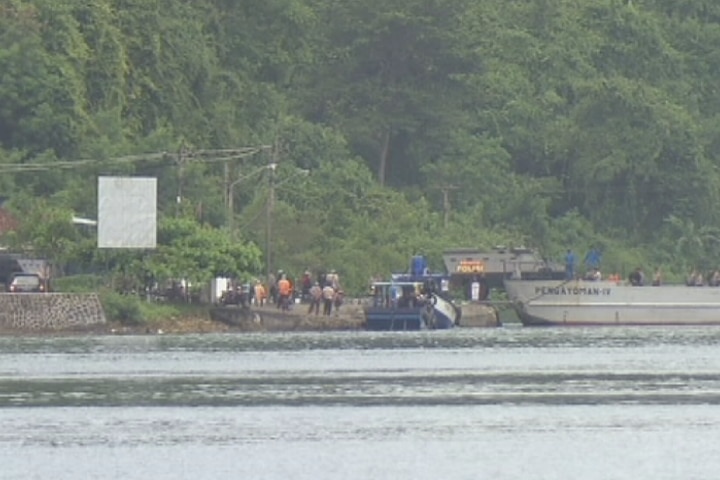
(226, 193)
(180, 160)
(269, 209)
(231, 176)
(445, 189)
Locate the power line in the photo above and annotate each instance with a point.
(186, 156)
(31, 167)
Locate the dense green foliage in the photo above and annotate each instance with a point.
(425, 125)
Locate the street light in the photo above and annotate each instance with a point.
(269, 212)
(231, 192)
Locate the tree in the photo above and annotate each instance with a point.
(189, 250)
(41, 94)
(695, 246)
(389, 78)
(46, 231)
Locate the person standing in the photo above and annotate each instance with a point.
(316, 295)
(338, 300)
(657, 278)
(272, 288)
(570, 261)
(593, 258)
(307, 284)
(637, 277)
(260, 293)
(328, 294)
(333, 279)
(475, 290)
(284, 292)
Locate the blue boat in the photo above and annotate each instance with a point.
(409, 305)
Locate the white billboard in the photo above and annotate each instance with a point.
(127, 212)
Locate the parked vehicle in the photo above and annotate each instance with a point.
(23, 282)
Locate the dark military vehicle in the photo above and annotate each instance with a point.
(490, 268)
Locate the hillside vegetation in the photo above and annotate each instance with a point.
(424, 124)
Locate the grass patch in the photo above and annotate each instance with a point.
(129, 310)
(134, 311)
(77, 283)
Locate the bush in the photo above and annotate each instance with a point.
(122, 308)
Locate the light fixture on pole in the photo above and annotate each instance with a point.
(269, 213)
(231, 193)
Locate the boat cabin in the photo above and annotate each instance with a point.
(397, 294)
(398, 306)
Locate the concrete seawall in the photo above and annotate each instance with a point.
(479, 315)
(50, 311)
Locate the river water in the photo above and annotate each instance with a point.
(507, 403)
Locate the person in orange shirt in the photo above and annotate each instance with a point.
(259, 293)
(284, 289)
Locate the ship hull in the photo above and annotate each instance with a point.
(579, 302)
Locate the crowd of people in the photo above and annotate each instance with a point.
(322, 292)
(592, 264)
(592, 270)
(696, 278)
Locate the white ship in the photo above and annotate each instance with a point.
(586, 302)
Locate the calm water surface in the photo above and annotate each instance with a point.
(508, 403)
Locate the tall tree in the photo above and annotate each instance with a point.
(41, 93)
(389, 77)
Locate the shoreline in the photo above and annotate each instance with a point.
(350, 318)
(194, 324)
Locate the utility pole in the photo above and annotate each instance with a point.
(230, 213)
(230, 207)
(269, 209)
(226, 192)
(180, 160)
(445, 189)
(231, 176)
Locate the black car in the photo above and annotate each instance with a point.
(26, 283)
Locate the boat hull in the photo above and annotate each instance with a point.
(398, 319)
(579, 302)
(442, 314)
(447, 314)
